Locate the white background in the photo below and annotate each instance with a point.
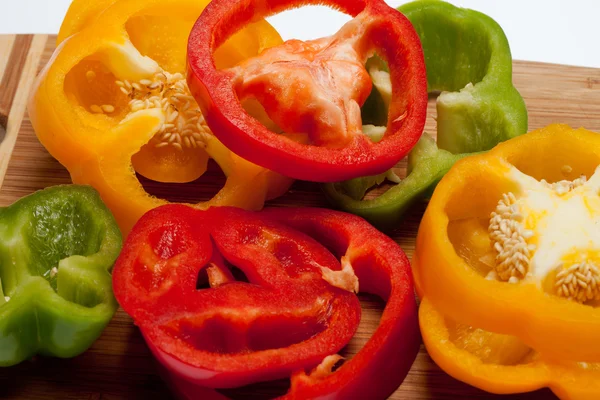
(557, 31)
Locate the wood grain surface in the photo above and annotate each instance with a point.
(118, 365)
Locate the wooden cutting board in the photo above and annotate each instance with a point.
(118, 365)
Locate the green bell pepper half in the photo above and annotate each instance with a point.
(57, 247)
(468, 60)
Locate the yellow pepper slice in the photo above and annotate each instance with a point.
(502, 364)
(509, 243)
(113, 101)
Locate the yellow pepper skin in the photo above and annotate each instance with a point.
(103, 42)
(80, 14)
(453, 239)
(507, 366)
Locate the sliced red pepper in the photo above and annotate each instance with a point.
(313, 88)
(287, 320)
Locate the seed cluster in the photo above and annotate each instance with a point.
(184, 124)
(579, 282)
(105, 108)
(509, 238)
(564, 186)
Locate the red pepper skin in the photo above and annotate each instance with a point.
(388, 32)
(279, 251)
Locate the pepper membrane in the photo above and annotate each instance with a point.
(208, 329)
(312, 90)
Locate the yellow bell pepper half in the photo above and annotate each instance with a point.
(113, 101)
(510, 243)
(507, 265)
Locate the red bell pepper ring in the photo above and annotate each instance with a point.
(314, 88)
(287, 320)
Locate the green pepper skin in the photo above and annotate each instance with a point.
(468, 59)
(427, 165)
(57, 313)
(463, 46)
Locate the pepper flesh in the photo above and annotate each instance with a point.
(314, 89)
(454, 252)
(287, 320)
(502, 364)
(114, 97)
(478, 106)
(57, 247)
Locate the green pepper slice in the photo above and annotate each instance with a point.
(57, 247)
(468, 60)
